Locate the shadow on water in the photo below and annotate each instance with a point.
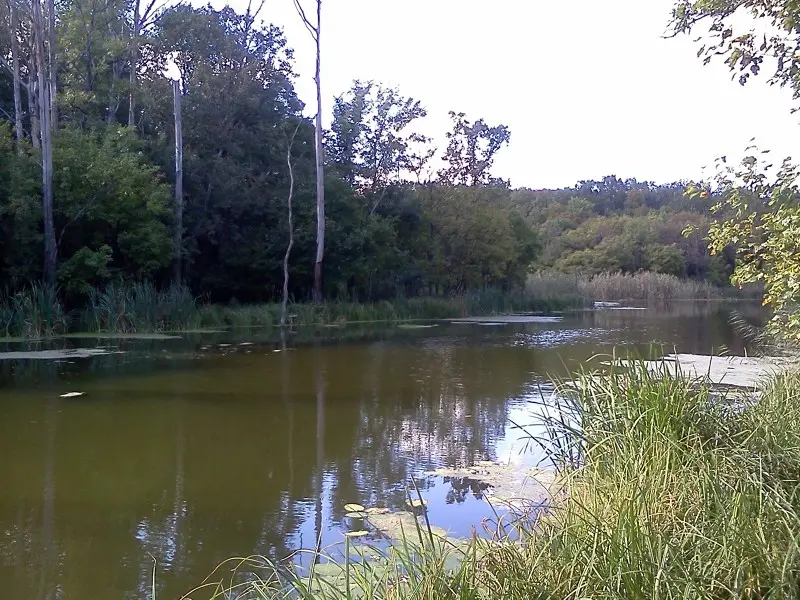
(198, 449)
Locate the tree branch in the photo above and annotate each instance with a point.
(314, 31)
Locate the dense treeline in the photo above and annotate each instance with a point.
(396, 225)
(628, 226)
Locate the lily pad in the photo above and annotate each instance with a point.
(355, 515)
(416, 503)
(359, 533)
(351, 508)
(376, 510)
(71, 395)
(197, 331)
(120, 336)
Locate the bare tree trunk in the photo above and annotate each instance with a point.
(47, 145)
(33, 108)
(12, 5)
(176, 91)
(285, 298)
(51, 68)
(315, 30)
(320, 172)
(113, 96)
(134, 63)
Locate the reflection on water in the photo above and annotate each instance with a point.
(193, 456)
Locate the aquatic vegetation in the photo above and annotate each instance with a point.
(139, 308)
(648, 287)
(33, 312)
(670, 496)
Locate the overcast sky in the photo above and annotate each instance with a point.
(588, 88)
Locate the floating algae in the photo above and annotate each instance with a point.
(57, 354)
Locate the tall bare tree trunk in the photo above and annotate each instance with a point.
(47, 144)
(137, 21)
(176, 92)
(33, 108)
(315, 30)
(12, 5)
(320, 172)
(51, 68)
(285, 298)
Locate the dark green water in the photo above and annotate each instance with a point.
(194, 455)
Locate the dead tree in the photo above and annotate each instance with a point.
(176, 92)
(45, 111)
(315, 30)
(12, 7)
(285, 298)
(141, 19)
(51, 67)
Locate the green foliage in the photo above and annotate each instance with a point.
(470, 152)
(744, 49)
(628, 226)
(759, 216)
(392, 231)
(104, 185)
(370, 142)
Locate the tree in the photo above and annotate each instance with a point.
(759, 215)
(759, 211)
(290, 221)
(141, 19)
(470, 152)
(178, 242)
(746, 33)
(15, 59)
(106, 186)
(370, 144)
(237, 97)
(315, 29)
(43, 69)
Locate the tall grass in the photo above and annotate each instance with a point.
(125, 307)
(33, 312)
(138, 308)
(647, 287)
(674, 495)
(671, 494)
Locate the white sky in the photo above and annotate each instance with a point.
(588, 88)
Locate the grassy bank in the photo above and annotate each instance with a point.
(36, 312)
(671, 495)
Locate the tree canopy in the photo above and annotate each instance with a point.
(758, 212)
(401, 218)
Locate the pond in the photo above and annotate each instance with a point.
(195, 449)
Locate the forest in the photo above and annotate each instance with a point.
(88, 174)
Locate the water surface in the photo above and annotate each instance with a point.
(198, 449)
